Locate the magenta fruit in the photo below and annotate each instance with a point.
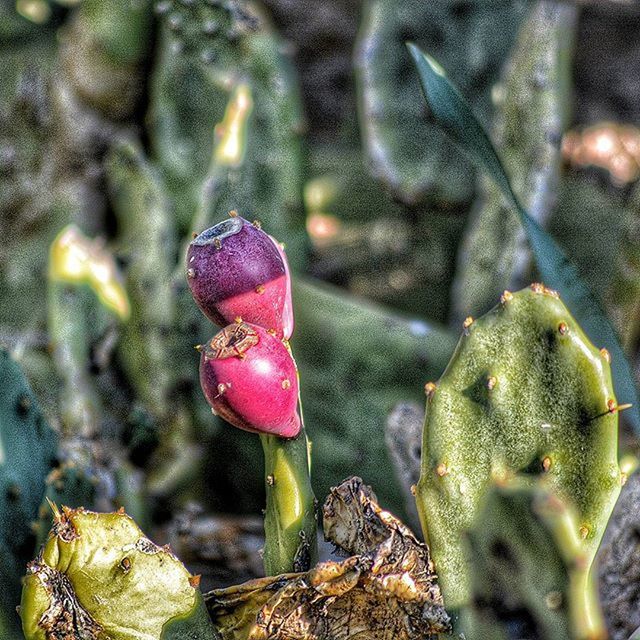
(236, 270)
(250, 379)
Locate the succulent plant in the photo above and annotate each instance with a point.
(95, 570)
(525, 393)
(529, 575)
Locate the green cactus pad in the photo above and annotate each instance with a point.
(528, 574)
(99, 577)
(532, 109)
(410, 157)
(525, 393)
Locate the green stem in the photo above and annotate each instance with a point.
(290, 518)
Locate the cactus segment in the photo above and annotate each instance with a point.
(532, 105)
(529, 577)
(146, 245)
(525, 393)
(27, 455)
(225, 117)
(102, 54)
(472, 38)
(98, 568)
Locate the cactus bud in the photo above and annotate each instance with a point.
(250, 379)
(235, 269)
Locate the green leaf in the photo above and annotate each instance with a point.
(453, 114)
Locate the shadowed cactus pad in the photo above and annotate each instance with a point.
(98, 577)
(525, 393)
(529, 578)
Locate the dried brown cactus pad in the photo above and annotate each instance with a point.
(385, 590)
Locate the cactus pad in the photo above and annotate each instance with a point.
(525, 393)
(95, 571)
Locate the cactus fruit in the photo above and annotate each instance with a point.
(27, 455)
(531, 115)
(472, 38)
(525, 392)
(236, 270)
(99, 576)
(250, 379)
(529, 574)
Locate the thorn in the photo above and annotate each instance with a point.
(546, 463)
(260, 289)
(286, 383)
(623, 407)
(191, 273)
(414, 489)
(213, 411)
(121, 511)
(233, 213)
(506, 296)
(54, 509)
(605, 355)
(194, 581)
(238, 320)
(272, 332)
(491, 382)
(194, 234)
(257, 224)
(563, 328)
(222, 387)
(442, 470)
(199, 348)
(217, 243)
(584, 531)
(430, 389)
(468, 321)
(271, 480)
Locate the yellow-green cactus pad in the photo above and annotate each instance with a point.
(525, 393)
(99, 578)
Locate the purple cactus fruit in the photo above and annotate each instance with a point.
(250, 379)
(236, 270)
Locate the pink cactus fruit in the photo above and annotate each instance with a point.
(235, 269)
(250, 379)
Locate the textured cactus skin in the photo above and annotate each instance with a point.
(531, 116)
(528, 576)
(146, 238)
(472, 38)
(27, 455)
(525, 392)
(206, 50)
(105, 554)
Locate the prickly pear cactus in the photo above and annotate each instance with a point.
(27, 455)
(207, 52)
(471, 37)
(96, 571)
(532, 109)
(524, 393)
(528, 572)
